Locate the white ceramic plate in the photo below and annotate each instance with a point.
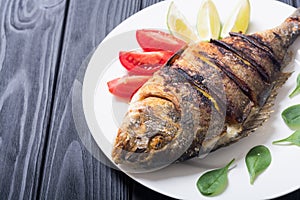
(103, 112)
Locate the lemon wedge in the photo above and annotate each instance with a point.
(179, 26)
(238, 20)
(208, 21)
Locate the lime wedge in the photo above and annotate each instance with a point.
(179, 26)
(208, 21)
(238, 20)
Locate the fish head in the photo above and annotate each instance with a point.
(148, 137)
(163, 119)
(158, 127)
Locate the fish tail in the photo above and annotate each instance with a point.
(280, 38)
(291, 26)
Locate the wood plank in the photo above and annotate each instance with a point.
(295, 3)
(70, 171)
(30, 41)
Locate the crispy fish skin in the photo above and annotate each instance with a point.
(202, 68)
(240, 71)
(207, 96)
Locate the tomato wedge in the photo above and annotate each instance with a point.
(144, 63)
(154, 40)
(144, 70)
(124, 87)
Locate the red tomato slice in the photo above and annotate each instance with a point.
(146, 70)
(146, 61)
(126, 86)
(154, 40)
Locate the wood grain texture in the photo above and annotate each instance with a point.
(295, 3)
(30, 37)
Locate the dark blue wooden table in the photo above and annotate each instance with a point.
(42, 46)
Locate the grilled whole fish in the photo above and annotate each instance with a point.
(208, 95)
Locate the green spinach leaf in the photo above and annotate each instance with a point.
(297, 89)
(257, 160)
(214, 182)
(291, 117)
(292, 139)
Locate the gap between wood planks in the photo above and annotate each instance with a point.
(54, 92)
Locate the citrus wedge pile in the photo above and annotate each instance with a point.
(208, 22)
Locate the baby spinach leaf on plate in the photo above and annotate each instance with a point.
(214, 182)
(291, 117)
(297, 89)
(257, 160)
(292, 139)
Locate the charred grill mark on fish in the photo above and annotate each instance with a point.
(175, 57)
(259, 44)
(196, 79)
(210, 116)
(197, 82)
(241, 54)
(255, 54)
(219, 57)
(238, 71)
(217, 81)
